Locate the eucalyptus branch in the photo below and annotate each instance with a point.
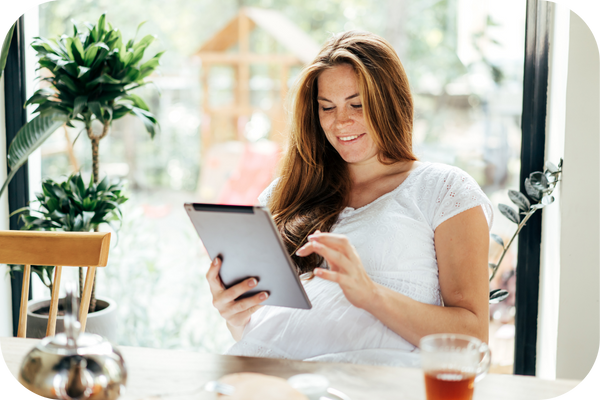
(539, 187)
(505, 250)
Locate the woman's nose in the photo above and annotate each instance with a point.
(342, 119)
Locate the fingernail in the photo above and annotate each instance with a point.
(252, 282)
(214, 261)
(263, 296)
(318, 272)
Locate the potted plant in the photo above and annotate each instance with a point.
(93, 74)
(72, 206)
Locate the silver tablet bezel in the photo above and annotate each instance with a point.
(283, 284)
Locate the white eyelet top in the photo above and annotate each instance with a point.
(394, 236)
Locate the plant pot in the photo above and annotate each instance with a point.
(103, 321)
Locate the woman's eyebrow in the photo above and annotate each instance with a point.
(347, 98)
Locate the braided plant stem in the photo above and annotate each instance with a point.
(96, 174)
(80, 282)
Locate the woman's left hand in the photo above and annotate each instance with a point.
(345, 266)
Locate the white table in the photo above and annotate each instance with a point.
(179, 375)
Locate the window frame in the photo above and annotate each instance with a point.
(15, 96)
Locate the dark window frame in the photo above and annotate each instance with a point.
(533, 144)
(16, 116)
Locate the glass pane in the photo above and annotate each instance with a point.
(220, 140)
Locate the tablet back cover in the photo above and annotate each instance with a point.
(249, 244)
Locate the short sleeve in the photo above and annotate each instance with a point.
(265, 196)
(457, 191)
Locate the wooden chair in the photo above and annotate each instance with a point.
(73, 249)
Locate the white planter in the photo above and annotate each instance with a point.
(102, 322)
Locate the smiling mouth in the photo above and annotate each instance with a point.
(349, 139)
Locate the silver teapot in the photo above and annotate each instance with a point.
(74, 365)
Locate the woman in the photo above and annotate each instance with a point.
(391, 249)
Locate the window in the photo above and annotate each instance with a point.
(464, 59)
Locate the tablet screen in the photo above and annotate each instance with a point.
(247, 240)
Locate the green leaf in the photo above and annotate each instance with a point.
(78, 223)
(40, 96)
(87, 219)
(69, 66)
(20, 210)
(82, 71)
(538, 180)
(78, 51)
(532, 192)
(79, 105)
(97, 110)
(90, 52)
(496, 296)
(101, 27)
(105, 78)
(497, 239)
(69, 83)
(103, 185)
(59, 192)
(149, 66)
(138, 29)
(509, 213)
(144, 42)
(519, 200)
(551, 167)
(126, 57)
(51, 205)
(5, 47)
(148, 119)
(137, 101)
(132, 75)
(101, 56)
(137, 56)
(31, 136)
(105, 98)
(80, 185)
(547, 200)
(49, 45)
(120, 111)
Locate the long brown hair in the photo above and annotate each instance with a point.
(314, 183)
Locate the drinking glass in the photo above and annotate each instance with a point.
(452, 364)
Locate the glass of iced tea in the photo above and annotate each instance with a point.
(452, 364)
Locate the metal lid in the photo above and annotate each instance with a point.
(73, 342)
(87, 344)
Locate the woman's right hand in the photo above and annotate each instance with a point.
(237, 313)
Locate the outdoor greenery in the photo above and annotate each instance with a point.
(539, 187)
(72, 206)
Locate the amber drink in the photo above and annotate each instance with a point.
(452, 364)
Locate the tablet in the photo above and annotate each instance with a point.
(249, 244)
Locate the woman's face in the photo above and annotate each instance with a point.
(341, 115)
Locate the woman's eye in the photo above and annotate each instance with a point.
(356, 105)
(326, 109)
